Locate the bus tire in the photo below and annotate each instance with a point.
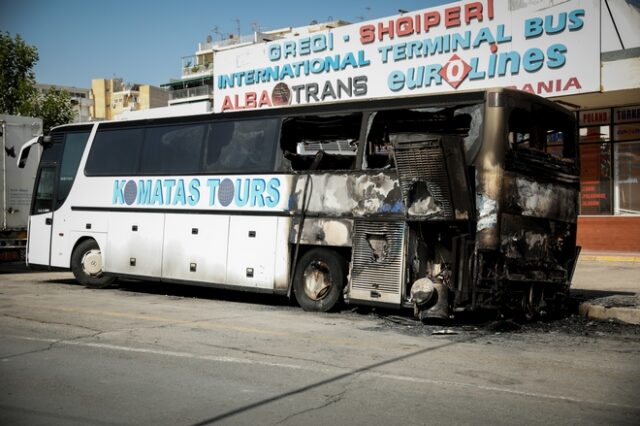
(319, 280)
(86, 265)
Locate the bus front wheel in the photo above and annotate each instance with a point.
(86, 265)
(319, 280)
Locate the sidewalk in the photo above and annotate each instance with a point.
(610, 256)
(606, 286)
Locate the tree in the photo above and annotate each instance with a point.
(17, 78)
(18, 95)
(54, 107)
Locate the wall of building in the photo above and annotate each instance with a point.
(101, 98)
(112, 98)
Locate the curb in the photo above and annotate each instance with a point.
(608, 258)
(599, 312)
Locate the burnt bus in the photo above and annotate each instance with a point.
(441, 204)
(444, 204)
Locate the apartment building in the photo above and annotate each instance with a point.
(112, 97)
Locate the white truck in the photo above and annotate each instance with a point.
(16, 183)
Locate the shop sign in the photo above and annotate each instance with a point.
(595, 117)
(532, 45)
(626, 114)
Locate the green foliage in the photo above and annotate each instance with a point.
(54, 107)
(17, 78)
(18, 95)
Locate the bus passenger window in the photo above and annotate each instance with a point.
(386, 127)
(73, 149)
(335, 137)
(115, 152)
(535, 134)
(241, 146)
(172, 149)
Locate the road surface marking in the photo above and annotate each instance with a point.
(384, 376)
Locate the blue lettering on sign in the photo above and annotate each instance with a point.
(251, 192)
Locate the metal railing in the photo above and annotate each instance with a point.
(188, 70)
(190, 92)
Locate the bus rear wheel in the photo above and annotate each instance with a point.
(319, 280)
(86, 265)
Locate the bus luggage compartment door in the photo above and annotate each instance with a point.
(134, 244)
(195, 247)
(377, 264)
(252, 251)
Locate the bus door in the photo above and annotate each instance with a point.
(56, 173)
(41, 218)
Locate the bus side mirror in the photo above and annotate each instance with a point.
(24, 151)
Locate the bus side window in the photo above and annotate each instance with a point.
(379, 150)
(386, 127)
(537, 135)
(73, 149)
(115, 152)
(323, 142)
(241, 146)
(172, 149)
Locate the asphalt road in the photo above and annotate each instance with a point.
(148, 353)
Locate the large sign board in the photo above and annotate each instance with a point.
(548, 47)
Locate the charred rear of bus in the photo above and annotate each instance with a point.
(455, 206)
(526, 249)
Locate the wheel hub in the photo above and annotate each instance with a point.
(317, 280)
(92, 263)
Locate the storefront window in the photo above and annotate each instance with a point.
(595, 171)
(627, 177)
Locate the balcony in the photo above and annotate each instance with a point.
(189, 70)
(190, 92)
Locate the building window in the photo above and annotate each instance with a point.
(610, 161)
(627, 178)
(595, 170)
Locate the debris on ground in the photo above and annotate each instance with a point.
(446, 331)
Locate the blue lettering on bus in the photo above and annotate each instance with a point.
(194, 192)
(273, 194)
(213, 185)
(118, 192)
(242, 192)
(258, 187)
(157, 198)
(144, 192)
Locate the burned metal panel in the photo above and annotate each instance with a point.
(433, 177)
(338, 194)
(377, 263)
(323, 232)
(538, 229)
(538, 199)
(535, 249)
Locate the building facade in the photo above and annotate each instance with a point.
(197, 76)
(111, 97)
(609, 135)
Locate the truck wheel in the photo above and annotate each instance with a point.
(86, 265)
(319, 280)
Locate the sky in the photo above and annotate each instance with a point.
(143, 41)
